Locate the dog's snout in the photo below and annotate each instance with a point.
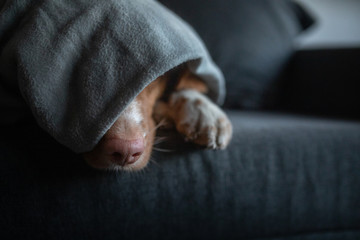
(125, 152)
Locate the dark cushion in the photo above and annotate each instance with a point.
(282, 176)
(323, 81)
(251, 41)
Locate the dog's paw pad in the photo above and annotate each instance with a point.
(200, 120)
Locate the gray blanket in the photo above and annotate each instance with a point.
(79, 63)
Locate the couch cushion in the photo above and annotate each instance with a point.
(281, 176)
(251, 41)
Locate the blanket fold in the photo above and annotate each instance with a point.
(79, 63)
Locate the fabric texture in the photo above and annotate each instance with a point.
(250, 42)
(79, 63)
(282, 177)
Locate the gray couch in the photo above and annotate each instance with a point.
(290, 172)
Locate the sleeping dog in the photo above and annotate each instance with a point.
(127, 145)
(78, 63)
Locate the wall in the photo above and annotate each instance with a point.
(337, 24)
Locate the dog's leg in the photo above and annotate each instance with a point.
(195, 116)
(199, 119)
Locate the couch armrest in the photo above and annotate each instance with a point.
(325, 82)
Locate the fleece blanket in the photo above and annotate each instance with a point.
(79, 63)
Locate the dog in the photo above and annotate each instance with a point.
(177, 98)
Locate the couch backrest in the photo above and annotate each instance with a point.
(251, 41)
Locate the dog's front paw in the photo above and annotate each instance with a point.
(200, 120)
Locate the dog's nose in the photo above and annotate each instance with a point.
(124, 152)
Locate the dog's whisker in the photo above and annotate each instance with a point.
(162, 149)
(159, 140)
(155, 163)
(160, 124)
(161, 137)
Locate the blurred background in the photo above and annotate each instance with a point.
(299, 56)
(337, 24)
